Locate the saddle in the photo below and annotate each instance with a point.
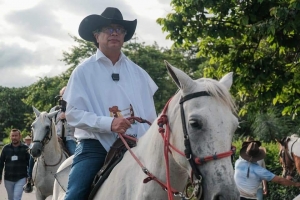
(113, 157)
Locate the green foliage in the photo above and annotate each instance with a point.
(268, 126)
(77, 54)
(256, 40)
(13, 109)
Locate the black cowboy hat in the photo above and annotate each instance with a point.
(252, 152)
(109, 16)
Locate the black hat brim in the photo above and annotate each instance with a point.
(93, 22)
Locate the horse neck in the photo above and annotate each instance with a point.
(151, 149)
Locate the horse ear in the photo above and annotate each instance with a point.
(181, 79)
(227, 80)
(36, 112)
(52, 114)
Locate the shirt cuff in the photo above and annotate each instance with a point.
(105, 124)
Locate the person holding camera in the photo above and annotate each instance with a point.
(63, 129)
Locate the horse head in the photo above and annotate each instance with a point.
(41, 130)
(202, 118)
(285, 157)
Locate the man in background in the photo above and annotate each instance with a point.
(27, 140)
(15, 158)
(248, 174)
(63, 129)
(262, 189)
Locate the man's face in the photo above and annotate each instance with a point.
(111, 38)
(15, 137)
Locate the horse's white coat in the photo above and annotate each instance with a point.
(295, 149)
(42, 175)
(217, 124)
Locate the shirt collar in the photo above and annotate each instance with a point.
(100, 55)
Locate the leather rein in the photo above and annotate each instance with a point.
(194, 161)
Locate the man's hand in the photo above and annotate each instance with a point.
(120, 125)
(265, 191)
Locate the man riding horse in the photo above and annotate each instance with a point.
(106, 79)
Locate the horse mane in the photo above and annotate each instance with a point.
(220, 92)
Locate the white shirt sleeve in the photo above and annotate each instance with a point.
(88, 121)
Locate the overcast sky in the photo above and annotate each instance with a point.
(34, 33)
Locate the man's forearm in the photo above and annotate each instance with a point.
(284, 181)
(88, 121)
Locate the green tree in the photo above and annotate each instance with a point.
(13, 109)
(257, 40)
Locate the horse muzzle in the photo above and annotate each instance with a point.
(36, 149)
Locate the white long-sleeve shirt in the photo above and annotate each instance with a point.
(93, 98)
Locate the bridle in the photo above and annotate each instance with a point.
(47, 136)
(288, 163)
(45, 141)
(193, 161)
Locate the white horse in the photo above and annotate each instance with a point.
(202, 113)
(48, 152)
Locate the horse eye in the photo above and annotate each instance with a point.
(47, 127)
(196, 124)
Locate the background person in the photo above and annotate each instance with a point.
(14, 159)
(248, 174)
(99, 95)
(27, 140)
(63, 129)
(263, 188)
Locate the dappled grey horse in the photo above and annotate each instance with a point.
(47, 151)
(199, 120)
